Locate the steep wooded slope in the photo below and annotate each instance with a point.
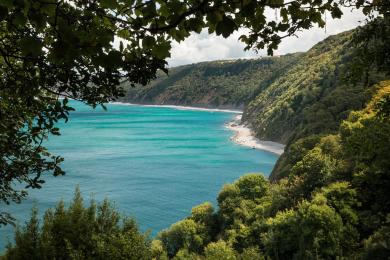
(311, 98)
(229, 83)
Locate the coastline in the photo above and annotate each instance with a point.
(236, 111)
(243, 135)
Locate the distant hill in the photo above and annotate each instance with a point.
(225, 83)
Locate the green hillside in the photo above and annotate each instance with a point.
(310, 98)
(284, 98)
(313, 97)
(229, 83)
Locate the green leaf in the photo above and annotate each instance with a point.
(108, 4)
(148, 42)
(149, 10)
(7, 3)
(31, 46)
(284, 14)
(19, 19)
(283, 27)
(164, 11)
(162, 51)
(195, 25)
(124, 34)
(337, 13)
(226, 27)
(214, 18)
(48, 9)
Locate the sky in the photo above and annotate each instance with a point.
(207, 47)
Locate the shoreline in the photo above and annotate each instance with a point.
(235, 111)
(244, 136)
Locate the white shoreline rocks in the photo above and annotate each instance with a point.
(244, 136)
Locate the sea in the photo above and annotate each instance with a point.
(154, 163)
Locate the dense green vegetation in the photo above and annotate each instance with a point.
(79, 232)
(333, 204)
(344, 84)
(229, 83)
(310, 98)
(55, 48)
(331, 106)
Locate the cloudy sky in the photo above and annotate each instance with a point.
(205, 47)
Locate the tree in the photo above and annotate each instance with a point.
(185, 234)
(312, 231)
(366, 140)
(63, 48)
(28, 240)
(251, 253)
(240, 204)
(343, 199)
(219, 251)
(377, 246)
(318, 167)
(158, 251)
(78, 232)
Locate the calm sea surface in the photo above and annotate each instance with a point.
(154, 163)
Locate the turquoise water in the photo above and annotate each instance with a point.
(155, 163)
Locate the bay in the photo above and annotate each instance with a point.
(154, 163)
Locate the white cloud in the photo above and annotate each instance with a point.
(205, 47)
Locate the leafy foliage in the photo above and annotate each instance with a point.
(79, 232)
(219, 250)
(311, 98)
(56, 48)
(333, 203)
